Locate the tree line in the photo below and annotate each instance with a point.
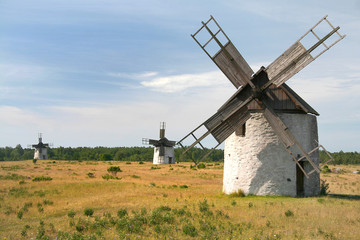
(140, 154)
(105, 154)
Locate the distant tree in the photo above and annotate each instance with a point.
(114, 170)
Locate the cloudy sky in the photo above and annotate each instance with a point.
(106, 73)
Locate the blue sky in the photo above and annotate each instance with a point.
(105, 73)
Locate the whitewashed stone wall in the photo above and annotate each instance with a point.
(168, 158)
(258, 162)
(40, 156)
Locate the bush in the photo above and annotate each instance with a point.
(89, 212)
(183, 186)
(34, 161)
(41, 178)
(107, 177)
(324, 188)
(91, 175)
(201, 165)
(48, 202)
(190, 230)
(326, 169)
(71, 214)
(114, 170)
(20, 214)
(289, 213)
(238, 193)
(122, 213)
(141, 162)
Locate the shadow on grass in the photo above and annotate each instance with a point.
(345, 196)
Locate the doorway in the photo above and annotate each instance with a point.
(300, 180)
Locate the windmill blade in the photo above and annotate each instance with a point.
(153, 142)
(297, 56)
(285, 135)
(222, 124)
(227, 57)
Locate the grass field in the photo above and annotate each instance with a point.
(72, 200)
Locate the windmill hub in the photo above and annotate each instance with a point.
(257, 93)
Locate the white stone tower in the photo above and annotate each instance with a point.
(256, 162)
(40, 149)
(163, 148)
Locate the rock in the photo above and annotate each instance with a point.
(356, 172)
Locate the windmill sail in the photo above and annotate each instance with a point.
(227, 58)
(297, 56)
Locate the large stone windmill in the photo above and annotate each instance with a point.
(163, 148)
(270, 132)
(40, 149)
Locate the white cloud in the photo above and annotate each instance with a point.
(177, 83)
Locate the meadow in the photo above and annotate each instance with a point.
(82, 200)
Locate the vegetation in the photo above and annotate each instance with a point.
(163, 204)
(114, 170)
(141, 154)
(41, 178)
(127, 154)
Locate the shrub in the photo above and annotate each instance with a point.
(289, 213)
(251, 204)
(141, 162)
(88, 212)
(201, 165)
(48, 202)
(122, 213)
(114, 170)
(107, 177)
(238, 193)
(183, 186)
(71, 214)
(190, 230)
(324, 188)
(34, 161)
(128, 162)
(91, 175)
(41, 178)
(155, 167)
(326, 169)
(135, 176)
(20, 214)
(203, 206)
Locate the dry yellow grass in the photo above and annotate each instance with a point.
(140, 187)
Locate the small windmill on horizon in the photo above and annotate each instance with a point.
(163, 148)
(41, 149)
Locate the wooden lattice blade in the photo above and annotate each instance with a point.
(233, 65)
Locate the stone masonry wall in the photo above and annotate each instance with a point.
(258, 162)
(168, 158)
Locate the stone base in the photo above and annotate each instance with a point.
(168, 158)
(259, 164)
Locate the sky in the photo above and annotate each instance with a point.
(106, 73)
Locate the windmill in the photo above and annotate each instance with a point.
(40, 149)
(270, 131)
(163, 148)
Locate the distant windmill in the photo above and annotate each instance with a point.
(163, 148)
(40, 149)
(270, 132)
